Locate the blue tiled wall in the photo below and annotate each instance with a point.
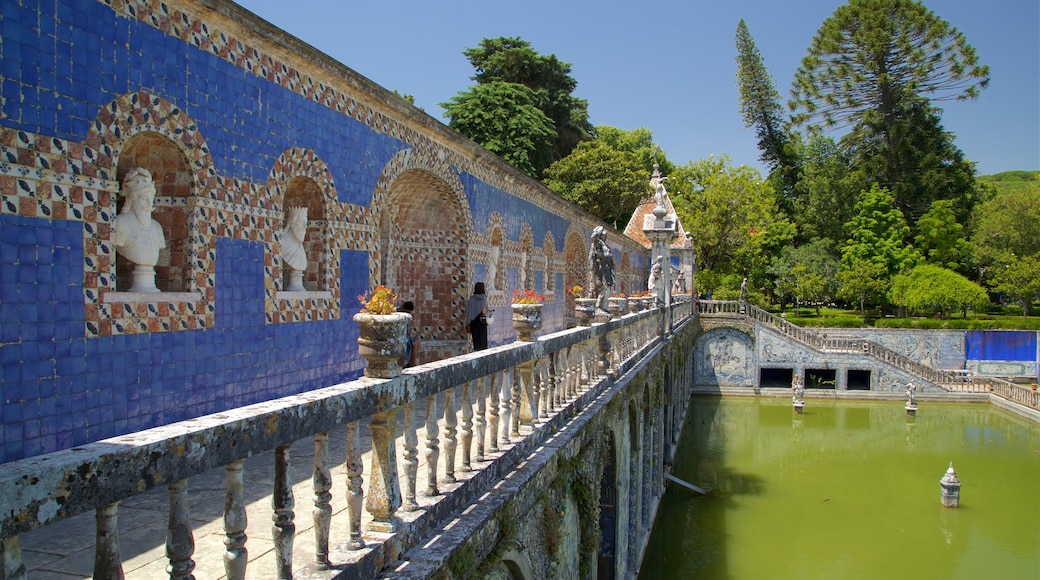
(60, 63)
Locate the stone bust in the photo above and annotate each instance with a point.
(137, 236)
(294, 255)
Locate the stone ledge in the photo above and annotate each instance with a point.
(131, 297)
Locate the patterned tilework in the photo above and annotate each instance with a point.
(82, 82)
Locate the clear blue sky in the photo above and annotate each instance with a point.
(669, 65)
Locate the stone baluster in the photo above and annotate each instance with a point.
(180, 545)
(481, 418)
(321, 482)
(467, 428)
(384, 491)
(493, 388)
(283, 531)
(11, 565)
(506, 406)
(107, 562)
(235, 521)
(355, 492)
(517, 415)
(432, 448)
(450, 443)
(411, 457)
(584, 359)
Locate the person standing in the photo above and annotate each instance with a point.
(476, 316)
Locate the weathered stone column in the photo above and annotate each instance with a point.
(235, 522)
(661, 230)
(355, 485)
(384, 491)
(321, 482)
(284, 516)
(11, 565)
(107, 562)
(180, 544)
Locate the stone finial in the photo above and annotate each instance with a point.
(951, 488)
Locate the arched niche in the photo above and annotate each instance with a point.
(305, 192)
(576, 272)
(549, 248)
(174, 185)
(423, 229)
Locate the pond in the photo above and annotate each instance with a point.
(849, 489)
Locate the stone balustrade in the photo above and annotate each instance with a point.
(535, 385)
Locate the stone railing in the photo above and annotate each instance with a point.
(949, 379)
(511, 399)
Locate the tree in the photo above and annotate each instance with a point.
(941, 239)
(930, 286)
(876, 66)
(729, 212)
(916, 159)
(504, 119)
(877, 233)
(815, 258)
(1019, 279)
(1007, 243)
(600, 179)
(760, 108)
(826, 191)
(512, 60)
(808, 286)
(862, 280)
(872, 57)
(638, 141)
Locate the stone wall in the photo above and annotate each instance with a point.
(237, 121)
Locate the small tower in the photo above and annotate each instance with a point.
(951, 488)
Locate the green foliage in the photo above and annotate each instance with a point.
(940, 237)
(1019, 279)
(826, 191)
(862, 281)
(512, 60)
(814, 260)
(877, 233)
(760, 108)
(959, 323)
(876, 67)
(1007, 244)
(1011, 181)
(871, 57)
(934, 287)
(639, 142)
(730, 214)
(600, 179)
(504, 118)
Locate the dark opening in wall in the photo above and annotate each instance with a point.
(820, 378)
(857, 380)
(775, 378)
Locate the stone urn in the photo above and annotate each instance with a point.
(634, 304)
(618, 306)
(382, 342)
(527, 319)
(584, 309)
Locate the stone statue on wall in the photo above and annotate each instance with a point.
(911, 394)
(655, 282)
(138, 237)
(294, 255)
(601, 259)
(492, 269)
(743, 290)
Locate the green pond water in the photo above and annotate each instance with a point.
(850, 489)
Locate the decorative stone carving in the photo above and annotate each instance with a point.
(294, 255)
(136, 235)
(653, 283)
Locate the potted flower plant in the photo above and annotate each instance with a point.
(383, 333)
(527, 313)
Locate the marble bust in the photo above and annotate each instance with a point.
(137, 236)
(294, 255)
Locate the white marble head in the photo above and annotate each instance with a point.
(136, 236)
(294, 255)
(296, 222)
(139, 191)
